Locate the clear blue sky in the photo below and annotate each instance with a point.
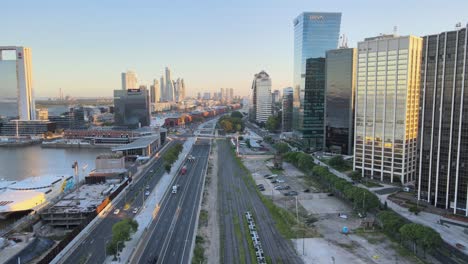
(82, 47)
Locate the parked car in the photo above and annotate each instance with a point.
(147, 193)
(307, 190)
(278, 187)
(340, 215)
(287, 187)
(260, 185)
(266, 175)
(135, 210)
(330, 194)
(280, 181)
(274, 181)
(291, 193)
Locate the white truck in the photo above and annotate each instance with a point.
(174, 188)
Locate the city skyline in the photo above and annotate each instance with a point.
(98, 39)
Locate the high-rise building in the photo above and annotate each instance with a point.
(169, 86)
(443, 138)
(162, 83)
(132, 108)
(155, 92)
(199, 96)
(261, 97)
(314, 34)
(206, 96)
(231, 93)
(129, 80)
(313, 126)
(276, 96)
(223, 94)
(182, 94)
(386, 107)
(287, 109)
(339, 100)
(42, 114)
(18, 85)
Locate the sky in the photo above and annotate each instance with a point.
(83, 46)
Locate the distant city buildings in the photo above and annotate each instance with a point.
(42, 114)
(314, 34)
(339, 100)
(169, 87)
(276, 97)
(261, 98)
(132, 108)
(155, 92)
(287, 109)
(443, 123)
(386, 107)
(18, 86)
(129, 80)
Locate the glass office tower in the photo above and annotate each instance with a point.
(313, 128)
(132, 108)
(314, 34)
(386, 107)
(339, 100)
(443, 126)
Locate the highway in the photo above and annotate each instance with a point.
(93, 248)
(170, 236)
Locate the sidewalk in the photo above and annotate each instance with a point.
(150, 209)
(450, 234)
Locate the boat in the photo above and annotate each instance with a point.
(31, 194)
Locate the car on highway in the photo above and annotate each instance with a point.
(147, 193)
(135, 210)
(174, 189)
(151, 171)
(147, 187)
(116, 211)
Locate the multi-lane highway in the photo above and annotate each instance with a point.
(170, 236)
(93, 248)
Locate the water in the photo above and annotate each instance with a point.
(8, 108)
(24, 162)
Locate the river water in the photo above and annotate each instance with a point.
(24, 162)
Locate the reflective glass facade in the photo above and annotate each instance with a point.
(339, 100)
(287, 109)
(313, 130)
(132, 108)
(386, 107)
(314, 34)
(443, 126)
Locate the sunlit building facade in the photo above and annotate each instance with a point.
(314, 34)
(386, 107)
(443, 127)
(129, 80)
(261, 97)
(18, 84)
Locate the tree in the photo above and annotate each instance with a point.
(281, 147)
(391, 222)
(338, 163)
(237, 114)
(430, 239)
(412, 233)
(272, 123)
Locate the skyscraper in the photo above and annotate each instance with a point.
(231, 93)
(386, 107)
(339, 100)
(129, 80)
(19, 81)
(223, 94)
(169, 86)
(162, 83)
(182, 94)
(276, 96)
(155, 92)
(314, 34)
(261, 97)
(443, 140)
(287, 111)
(132, 108)
(313, 127)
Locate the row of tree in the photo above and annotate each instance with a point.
(301, 160)
(121, 232)
(171, 156)
(232, 123)
(418, 235)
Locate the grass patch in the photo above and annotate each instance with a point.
(276, 171)
(238, 233)
(284, 220)
(203, 218)
(199, 251)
